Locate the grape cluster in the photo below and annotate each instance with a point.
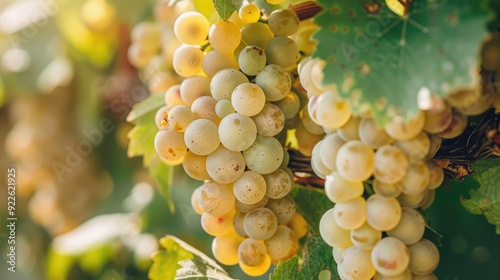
(226, 123)
(378, 234)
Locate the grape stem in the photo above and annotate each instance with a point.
(306, 10)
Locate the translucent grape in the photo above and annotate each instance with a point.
(299, 225)
(332, 233)
(264, 155)
(309, 124)
(225, 248)
(251, 60)
(282, 51)
(274, 81)
(372, 135)
(429, 199)
(416, 179)
(259, 270)
(169, 144)
(218, 225)
(260, 223)
(350, 214)
(238, 224)
(252, 252)
(355, 161)
(283, 22)
(187, 61)
(415, 148)
(328, 151)
(338, 189)
(161, 117)
(350, 131)
(204, 108)
(245, 207)
(225, 166)
(470, 101)
(424, 257)
(214, 61)
(147, 35)
(224, 36)
(319, 168)
(216, 199)
(390, 256)
(224, 108)
(256, 33)
(237, 132)
(365, 237)
(139, 56)
(390, 164)
(269, 121)
(250, 187)
(201, 137)
(356, 263)
(225, 81)
(248, 99)
(332, 112)
(179, 117)
(194, 201)
(191, 28)
(173, 96)
(382, 213)
(401, 130)
(194, 166)
(284, 208)
(411, 227)
(194, 87)
(249, 13)
(278, 184)
(283, 245)
(289, 105)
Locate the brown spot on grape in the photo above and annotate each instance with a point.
(387, 264)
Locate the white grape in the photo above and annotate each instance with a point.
(169, 144)
(204, 108)
(224, 36)
(350, 130)
(365, 237)
(282, 51)
(278, 184)
(256, 33)
(412, 200)
(384, 189)
(372, 135)
(187, 61)
(332, 233)
(173, 96)
(411, 227)
(274, 81)
(237, 132)
(264, 155)
(289, 105)
(258, 270)
(356, 264)
(191, 28)
(338, 189)
(270, 120)
(252, 252)
(194, 201)
(217, 225)
(416, 179)
(382, 213)
(214, 61)
(179, 117)
(194, 166)
(252, 60)
(250, 187)
(405, 275)
(260, 223)
(390, 164)
(224, 108)
(436, 122)
(401, 130)
(424, 257)
(436, 175)
(194, 87)
(332, 112)
(415, 148)
(238, 224)
(216, 199)
(284, 208)
(390, 256)
(350, 214)
(283, 245)
(248, 99)
(328, 151)
(355, 161)
(225, 248)
(202, 137)
(245, 207)
(225, 81)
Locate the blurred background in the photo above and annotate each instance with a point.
(84, 209)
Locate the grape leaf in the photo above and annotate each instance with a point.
(225, 8)
(180, 260)
(383, 60)
(148, 105)
(311, 203)
(486, 199)
(316, 257)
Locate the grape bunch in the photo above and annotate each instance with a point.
(378, 233)
(227, 122)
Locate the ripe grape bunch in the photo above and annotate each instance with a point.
(377, 233)
(226, 123)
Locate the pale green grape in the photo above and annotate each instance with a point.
(386, 190)
(191, 28)
(250, 187)
(350, 130)
(283, 22)
(283, 245)
(416, 179)
(179, 117)
(224, 108)
(187, 61)
(338, 189)
(278, 184)
(224, 36)
(355, 161)
(390, 256)
(194, 87)
(424, 257)
(204, 108)
(282, 51)
(365, 237)
(332, 233)
(274, 81)
(214, 61)
(289, 105)
(299, 225)
(260, 223)
(411, 227)
(218, 225)
(382, 213)
(309, 124)
(256, 33)
(256, 271)
(249, 13)
(332, 112)
(457, 126)
(264, 155)
(390, 164)
(436, 122)
(238, 224)
(245, 207)
(436, 175)
(252, 252)
(270, 120)
(201, 137)
(350, 214)
(306, 140)
(319, 168)
(161, 117)
(194, 166)
(372, 135)
(225, 81)
(356, 264)
(328, 151)
(169, 144)
(248, 99)
(412, 200)
(251, 60)
(416, 148)
(194, 201)
(224, 165)
(225, 248)
(216, 199)
(401, 130)
(284, 208)
(173, 96)
(237, 132)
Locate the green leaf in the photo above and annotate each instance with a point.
(145, 107)
(384, 60)
(180, 260)
(225, 8)
(316, 257)
(486, 199)
(141, 139)
(162, 173)
(311, 203)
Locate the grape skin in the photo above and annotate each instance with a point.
(260, 223)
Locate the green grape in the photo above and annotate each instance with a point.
(225, 248)
(216, 199)
(191, 28)
(283, 245)
(225, 81)
(224, 108)
(218, 225)
(390, 256)
(377, 204)
(237, 132)
(282, 51)
(350, 214)
(289, 105)
(355, 263)
(332, 233)
(365, 237)
(224, 36)
(201, 137)
(424, 257)
(214, 61)
(270, 121)
(179, 117)
(169, 144)
(260, 223)
(187, 61)
(194, 87)
(249, 13)
(283, 22)
(225, 166)
(251, 60)
(278, 184)
(411, 227)
(250, 187)
(284, 208)
(328, 151)
(248, 99)
(252, 252)
(264, 155)
(274, 81)
(245, 207)
(338, 189)
(204, 108)
(390, 164)
(257, 34)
